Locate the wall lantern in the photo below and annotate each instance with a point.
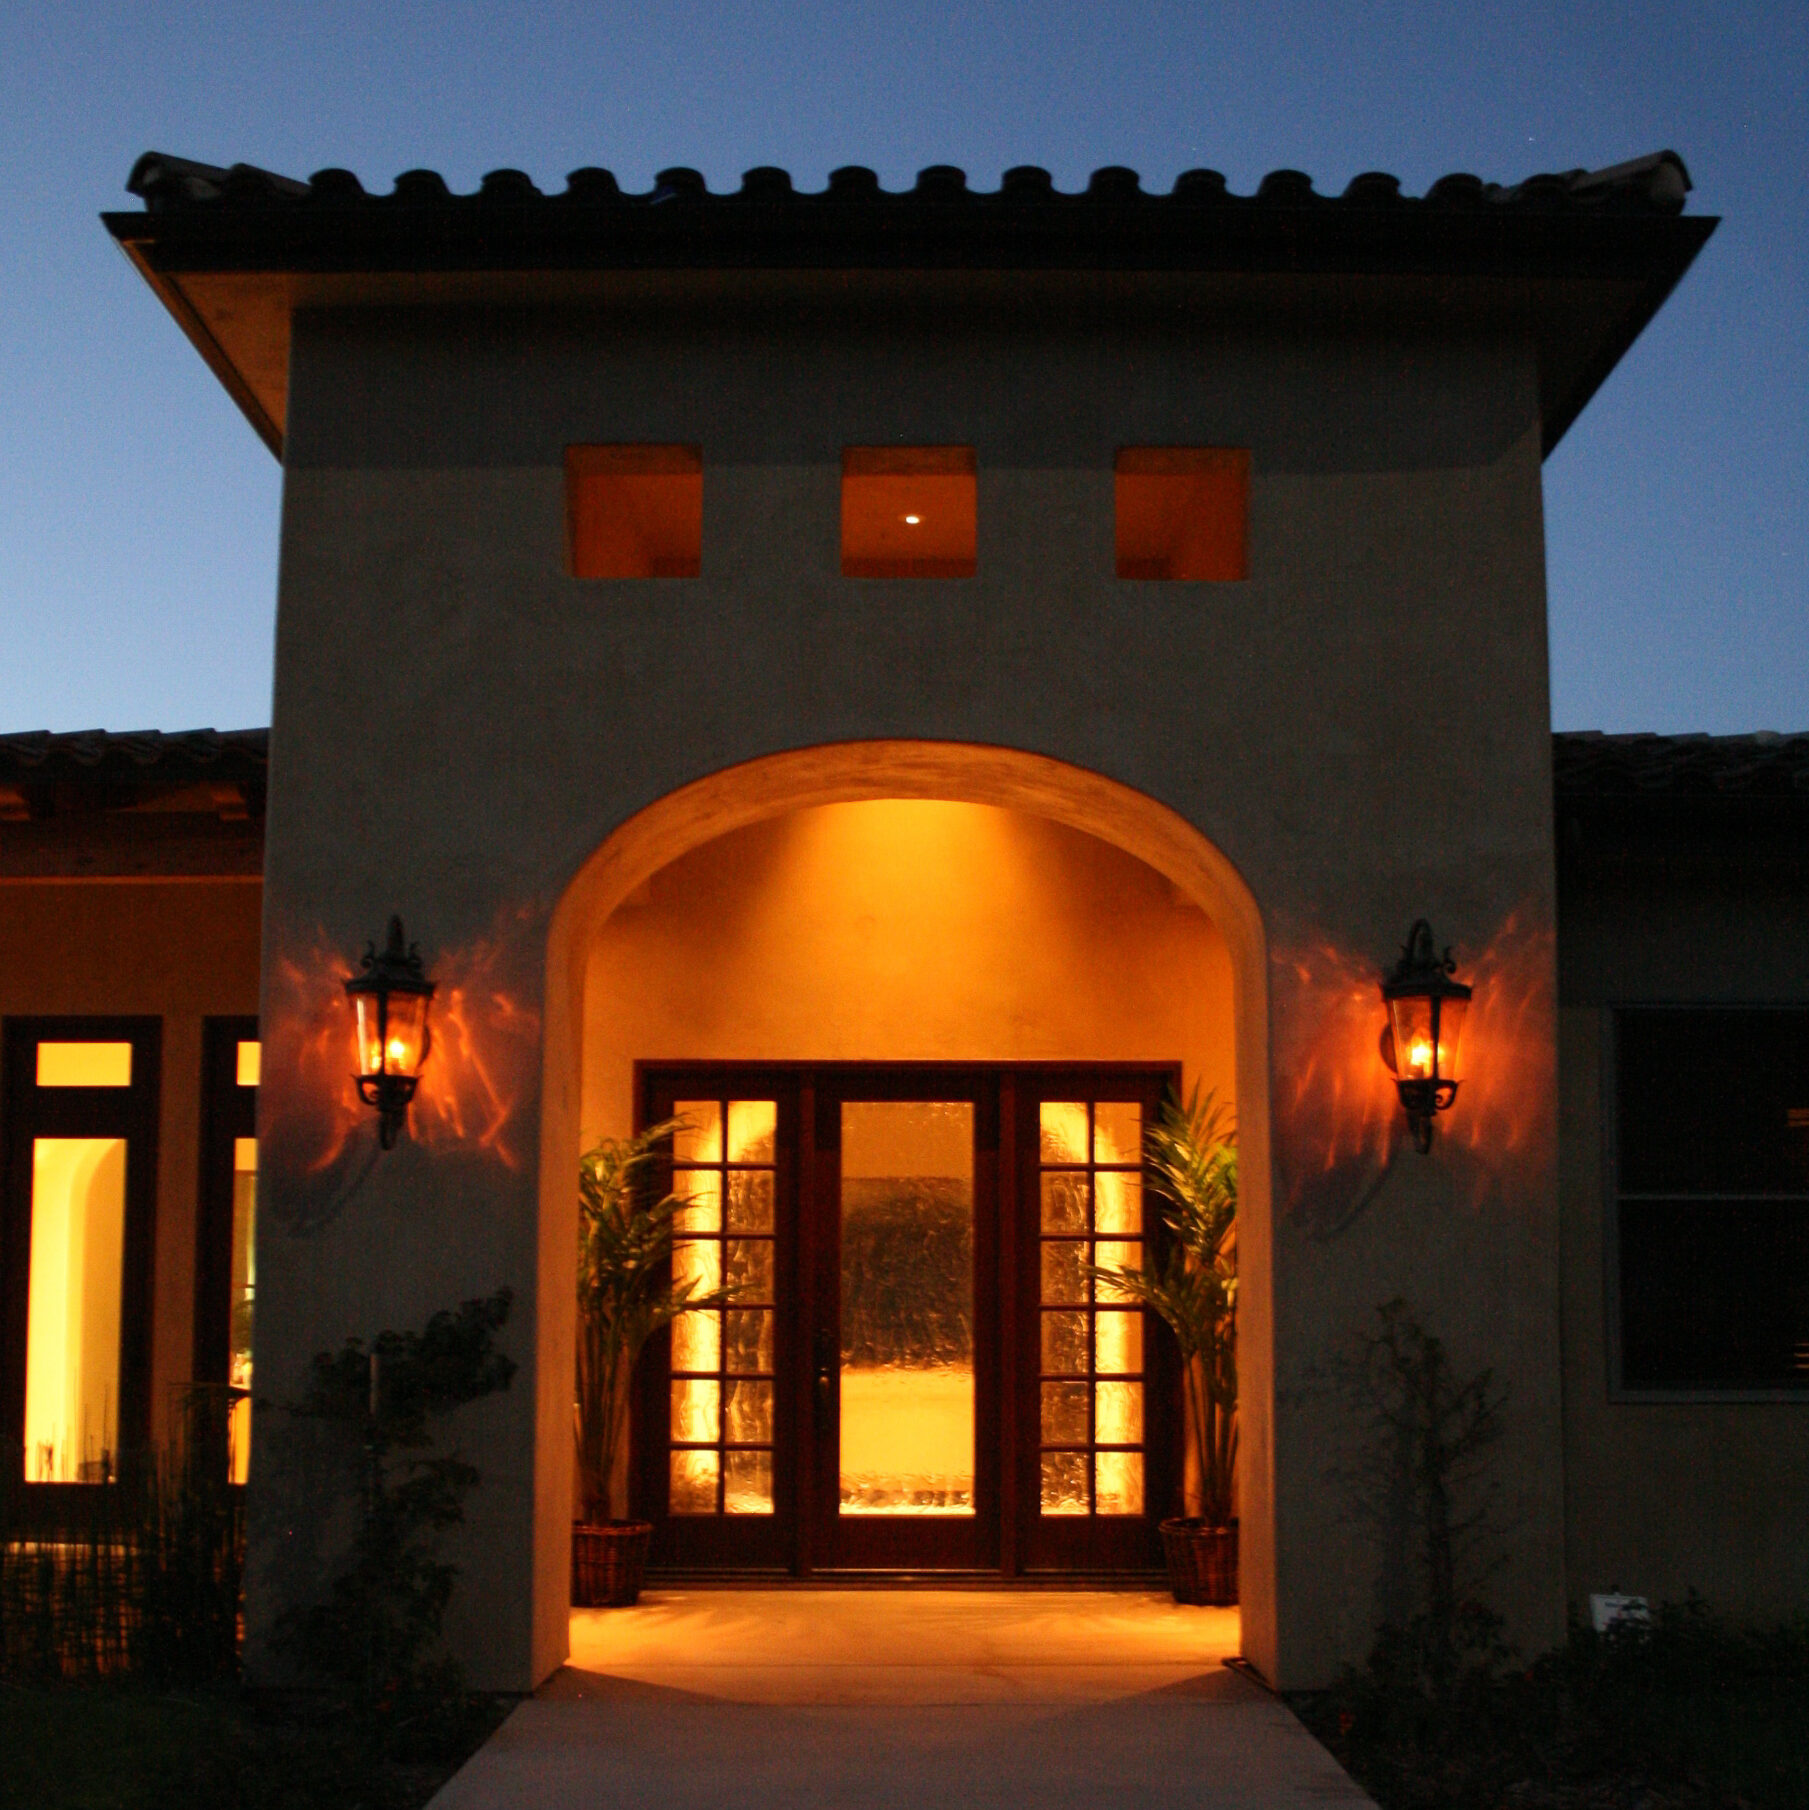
(391, 995)
(1426, 1010)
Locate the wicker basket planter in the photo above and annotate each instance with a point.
(609, 1559)
(1202, 1560)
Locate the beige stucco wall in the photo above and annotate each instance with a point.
(1362, 730)
(178, 950)
(904, 930)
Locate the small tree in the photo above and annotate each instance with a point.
(1191, 1153)
(625, 1295)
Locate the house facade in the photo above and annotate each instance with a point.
(898, 681)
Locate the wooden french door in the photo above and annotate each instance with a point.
(915, 1371)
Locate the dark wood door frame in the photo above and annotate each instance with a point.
(1008, 1537)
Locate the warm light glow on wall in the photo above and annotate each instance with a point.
(78, 1222)
(909, 512)
(84, 1065)
(905, 930)
(1335, 1098)
(486, 1053)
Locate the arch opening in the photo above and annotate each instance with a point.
(900, 903)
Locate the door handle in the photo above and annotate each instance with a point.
(823, 1369)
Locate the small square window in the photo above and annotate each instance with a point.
(908, 512)
(634, 511)
(1183, 512)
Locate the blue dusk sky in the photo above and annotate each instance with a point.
(138, 511)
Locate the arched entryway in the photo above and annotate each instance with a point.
(744, 939)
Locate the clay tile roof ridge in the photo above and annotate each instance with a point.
(1654, 183)
(33, 751)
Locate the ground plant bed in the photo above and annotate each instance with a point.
(132, 1747)
(1691, 1714)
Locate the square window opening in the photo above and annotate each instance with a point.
(634, 511)
(1183, 512)
(909, 512)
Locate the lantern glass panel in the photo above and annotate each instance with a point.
(405, 1035)
(1410, 1017)
(1450, 1036)
(370, 1033)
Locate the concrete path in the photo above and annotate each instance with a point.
(850, 1699)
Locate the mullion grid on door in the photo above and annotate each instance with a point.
(1091, 1373)
(722, 1372)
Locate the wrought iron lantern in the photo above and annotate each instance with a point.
(390, 995)
(1426, 1010)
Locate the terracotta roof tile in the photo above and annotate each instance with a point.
(1655, 184)
(1588, 764)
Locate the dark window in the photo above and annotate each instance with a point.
(1712, 1198)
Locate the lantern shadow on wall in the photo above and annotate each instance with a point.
(469, 1097)
(1339, 1116)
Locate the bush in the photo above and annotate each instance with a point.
(1692, 1711)
(136, 1579)
(371, 1645)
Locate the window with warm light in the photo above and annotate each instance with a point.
(1092, 1394)
(909, 512)
(721, 1427)
(634, 511)
(226, 1231)
(80, 1137)
(1183, 512)
(1710, 1209)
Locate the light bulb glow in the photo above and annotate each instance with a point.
(911, 521)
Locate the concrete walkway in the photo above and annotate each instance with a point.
(845, 1699)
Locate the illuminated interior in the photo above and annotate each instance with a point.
(908, 512)
(1183, 512)
(244, 1297)
(634, 511)
(722, 1358)
(84, 1064)
(907, 1300)
(78, 1222)
(901, 930)
(1091, 1162)
(392, 1032)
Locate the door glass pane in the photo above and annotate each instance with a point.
(907, 1290)
(244, 1295)
(1092, 1214)
(84, 1065)
(721, 1432)
(78, 1226)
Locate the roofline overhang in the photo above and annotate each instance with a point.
(1583, 278)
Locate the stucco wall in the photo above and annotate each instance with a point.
(1666, 1497)
(904, 930)
(1362, 728)
(181, 951)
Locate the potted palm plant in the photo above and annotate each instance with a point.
(1191, 1153)
(625, 1295)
